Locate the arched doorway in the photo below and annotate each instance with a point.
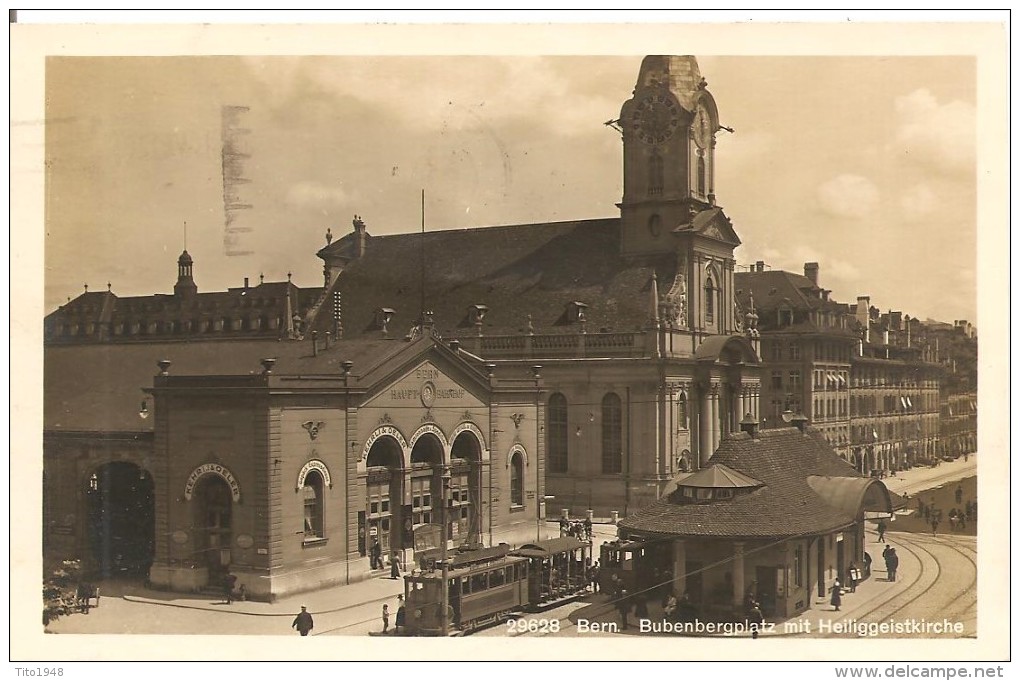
(465, 522)
(426, 483)
(213, 511)
(120, 511)
(383, 515)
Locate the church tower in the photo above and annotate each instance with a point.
(669, 128)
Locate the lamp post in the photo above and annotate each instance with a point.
(536, 372)
(444, 591)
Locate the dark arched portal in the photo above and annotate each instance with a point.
(383, 517)
(213, 507)
(465, 522)
(120, 511)
(426, 483)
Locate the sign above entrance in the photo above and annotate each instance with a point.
(212, 469)
(313, 465)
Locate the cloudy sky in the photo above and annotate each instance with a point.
(863, 164)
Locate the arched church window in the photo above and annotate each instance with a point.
(655, 180)
(709, 301)
(517, 479)
(612, 434)
(701, 175)
(557, 433)
(681, 411)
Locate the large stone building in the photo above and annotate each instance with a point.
(585, 363)
(633, 318)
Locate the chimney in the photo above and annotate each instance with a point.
(749, 425)
(759, 266)
(360, 236)
(811, 272)
(863, 305)
(246, 283)
(800, 421)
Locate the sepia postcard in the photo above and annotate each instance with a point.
(504, 342)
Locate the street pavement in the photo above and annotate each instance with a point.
(129, 608)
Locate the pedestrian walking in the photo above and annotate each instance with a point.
(587, 528)
(959, 494)
(755, 618)
(385, 617)
(394, 566)
(894, 563)
(881, 531)
(934, 525)
(401, 616)
(303, 622)
(837, 596)
(623, 606)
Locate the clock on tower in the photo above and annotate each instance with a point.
(669, 152)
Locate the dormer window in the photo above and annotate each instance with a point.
(576, 312)
(383, 316)
(476, 314)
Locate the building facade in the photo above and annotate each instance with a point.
(646, 356)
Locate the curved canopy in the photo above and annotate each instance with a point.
(852, 495)
(717, 348)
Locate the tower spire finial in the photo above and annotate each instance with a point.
(185, 235)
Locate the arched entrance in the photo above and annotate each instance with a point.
(120, 512)
(426, 483)
(383, 515)
(465, 522)
(213, 510)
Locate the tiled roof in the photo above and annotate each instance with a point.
(98, 387)
(515, 271)
(786, 505)
(716, 476)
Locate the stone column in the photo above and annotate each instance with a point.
(704, 427)
(679, 567)
(738, 574)
(714, 402)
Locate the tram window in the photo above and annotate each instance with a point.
(465, 586)
(478, 582)
(497, 578)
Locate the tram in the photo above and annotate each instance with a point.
(621, 565)
(487, 585)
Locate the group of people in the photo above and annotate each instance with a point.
(579, 529)
(400, 620)
(375, 559)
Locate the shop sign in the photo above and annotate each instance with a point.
(213, 469)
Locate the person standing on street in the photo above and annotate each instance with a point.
(395, 566)
(385, 617)
(934, 525)
(229, 581)
(893, 561)
(837, 596)
(959, 494)
(303, 622)
(401, 615)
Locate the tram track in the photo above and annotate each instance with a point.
(909, 596)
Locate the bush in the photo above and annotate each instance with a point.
(59, 590)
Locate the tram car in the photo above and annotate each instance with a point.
(487, 585)
(621, 565)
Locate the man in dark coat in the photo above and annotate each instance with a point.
(893, 562)
(229, 581)
(303, 622)
(881, 530)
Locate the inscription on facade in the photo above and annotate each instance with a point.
(436, 393)
(214, 469)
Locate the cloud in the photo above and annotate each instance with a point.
(937, 135)
(917, 202)
(847, 196)
(317, 196)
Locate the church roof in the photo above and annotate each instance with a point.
(516, 271)
(786, 461)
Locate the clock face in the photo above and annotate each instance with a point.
(655, 117)
(702, 127)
